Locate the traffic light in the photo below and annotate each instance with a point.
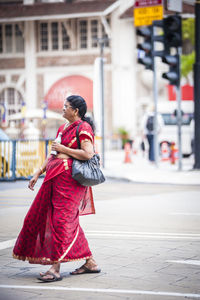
(146, 48)
(172, 27)
(173, 31)
(174, 72)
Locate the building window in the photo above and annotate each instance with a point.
(12, 100)
(88, 33)
(19, 40)
(44, 36)
(65, 39)
(94, 33)
(83, 33)
(11, 38)
(53, 36)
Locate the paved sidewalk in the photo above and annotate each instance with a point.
(141, 170)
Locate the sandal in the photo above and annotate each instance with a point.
(44, 274)
(54, 277)
(86, 270)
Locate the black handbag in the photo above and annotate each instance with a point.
(87, 172)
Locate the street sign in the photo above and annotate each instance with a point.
(147, 11)
(145, 3)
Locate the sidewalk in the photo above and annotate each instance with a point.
(141, 170)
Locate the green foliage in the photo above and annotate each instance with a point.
(187, 62)
(122, 131)
(188, 33)
(188, 30)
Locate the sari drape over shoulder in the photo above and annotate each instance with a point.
(51, 231)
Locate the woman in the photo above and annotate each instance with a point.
(51, 233)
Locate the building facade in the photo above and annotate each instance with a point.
(50, 49)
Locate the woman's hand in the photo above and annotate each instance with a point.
(33, 181)
(58, 147)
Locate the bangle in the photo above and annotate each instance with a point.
(41, 169)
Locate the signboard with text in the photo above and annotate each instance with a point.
(147, 11)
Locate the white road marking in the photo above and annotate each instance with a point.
(7, 244)
(124, 234)
(141, 232)
(185, 214)
(115, 291)
(188, 262)
(135, 234)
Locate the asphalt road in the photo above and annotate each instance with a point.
(145, 237)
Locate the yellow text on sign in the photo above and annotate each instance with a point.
(144, 16)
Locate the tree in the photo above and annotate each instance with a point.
(188, 57)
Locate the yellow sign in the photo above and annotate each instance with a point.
(144, 16)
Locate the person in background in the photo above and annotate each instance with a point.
(148, 130)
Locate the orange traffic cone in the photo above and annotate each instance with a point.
(127, 149)
(165, 154)
(173, 154)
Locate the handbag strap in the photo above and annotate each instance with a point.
(77, 136)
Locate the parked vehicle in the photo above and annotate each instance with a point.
(169, 131)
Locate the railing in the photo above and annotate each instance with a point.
(19, 159)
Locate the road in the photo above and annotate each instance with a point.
(145, 237)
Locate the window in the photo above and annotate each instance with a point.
(65, 39)
(83, 33)
(12, 100)
(88, 33)
(44, 36)
(94, 33)
(11, 38)
(19, 40)
(53, 36)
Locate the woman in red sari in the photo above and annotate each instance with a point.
(51, 233)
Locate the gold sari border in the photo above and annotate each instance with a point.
(73, 140)
(45, 260)
(86, 133)
(68, 249)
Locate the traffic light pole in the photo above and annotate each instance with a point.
(197, 88)
(179, 117)
(101, 43)
(155, 96)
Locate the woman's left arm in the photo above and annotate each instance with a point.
(86, 152)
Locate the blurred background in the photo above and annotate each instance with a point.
(50, 49)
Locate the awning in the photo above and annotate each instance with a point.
(77, 85)
(66, 10)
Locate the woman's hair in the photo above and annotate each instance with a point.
(77, 101)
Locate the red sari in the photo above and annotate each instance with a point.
(51, 232)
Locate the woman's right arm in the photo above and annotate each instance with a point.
(39, 172)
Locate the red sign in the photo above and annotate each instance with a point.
(145, 3)
(75, 84)
(187, 92)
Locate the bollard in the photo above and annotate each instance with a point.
(127, 149)
(174, 153)
(165, 154)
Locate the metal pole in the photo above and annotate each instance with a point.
(197, 88)
(155, 96)
(102, 102)
(179, 117)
